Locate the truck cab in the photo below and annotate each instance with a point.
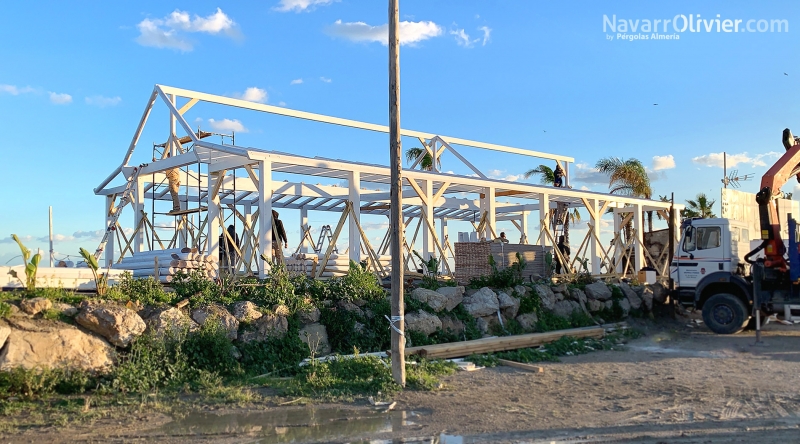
(708, 246)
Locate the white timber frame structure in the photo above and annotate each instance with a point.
(221, 179)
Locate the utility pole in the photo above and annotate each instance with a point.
(396, 196)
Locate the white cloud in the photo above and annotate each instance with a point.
(103, 102)
(300, 5)
(296, 82)
(584, 188)
(60, 98)
(462, 38)
(586, 173)
(227, 125)
(96, 234)
(15, 90)
(281, 103)
(487, 32)
(716, 159)
(167, 32)
(410, 32)
(663, 162)
(502, 175)
(253, 94)
(326, 80)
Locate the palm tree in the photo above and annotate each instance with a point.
(426, 164)
(628, 177)
(547, 174)
(699, 207)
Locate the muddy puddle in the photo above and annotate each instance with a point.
(302, 425)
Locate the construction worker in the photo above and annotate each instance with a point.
(558, 176)
(174, 178)
(278, 237)
(565, 252)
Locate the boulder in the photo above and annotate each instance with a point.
(219, 314)
(169, 320)
(316, 337)
(51, 344)
(483, 325)
(599, 291)
(527, 321)
(422, 322)
(577, 295)
(626, 306)
(658, 293)
(309, 316)
(647, 300)
(452, 324)
(5, 330)
(633, 298)
(267, 326)
(35, 306)
(594, 305)
(482, 303)
(509, 305)
(281, 310)
(351, 307)
(245, 311)
(117, 323)
(546, 296)
(454, 296)
(560, 288)
(609, 304)
(66, 309)
(565, 309)
(435, 300)
(521, 290)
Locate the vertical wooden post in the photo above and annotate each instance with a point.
(213, 214)
(303, 227)
(138, 207)
(354, 238)
(396, 211)
(594, 244)
(110, 244)
(264, 217)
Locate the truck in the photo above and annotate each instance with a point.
(715, 269)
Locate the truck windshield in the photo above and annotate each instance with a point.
(701, 238)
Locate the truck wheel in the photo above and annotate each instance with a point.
(725, 314)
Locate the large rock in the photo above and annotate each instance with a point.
(626, 306)
(5, 330)
(521, 290)
(577, 295)
(452, 324)
(217, 313)
(51, 344)
(454, 296)
(169, 320)
(546, 296)
(309, 316)
(422, 322)
(509, 305)
(316, 337)
(560, 288)
(117, 323)
(265, 327)
(35, 306)
(351, 307)
(483, 324)
(482, 303)
(565, 309)
(66, 309)
(594, 305)
(657, 292)
(647, 300)
(633, 298)
(527, 321)
(599, 291)
(245, 311)
(435, 300)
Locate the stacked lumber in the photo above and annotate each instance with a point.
(497, 344)
(337, 265)
(165, 264)
(57, 277)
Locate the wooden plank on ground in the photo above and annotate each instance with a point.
(521, 366)
(504, 343)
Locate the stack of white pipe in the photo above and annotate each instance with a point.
(337, 264)
(164, 264)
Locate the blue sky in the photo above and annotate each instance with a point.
(76, 75)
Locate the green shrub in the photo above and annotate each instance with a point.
(209, 349)
(5, 310)
(279, 289)
(153, 362)
(505, 278)
(425, 374)
(198, 288)
(147, 291)
(344, 379)
(275, 356)
(34, 383)
(358, 283)
(343, 336)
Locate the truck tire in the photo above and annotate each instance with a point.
(725, 314)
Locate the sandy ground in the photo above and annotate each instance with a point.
(676, 384)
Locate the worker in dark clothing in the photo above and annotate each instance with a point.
(565, 252)
(558, 177)
(279, 239)
(228, 246)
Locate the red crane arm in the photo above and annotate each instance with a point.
(777, 176)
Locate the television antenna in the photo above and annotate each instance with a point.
(733, 178)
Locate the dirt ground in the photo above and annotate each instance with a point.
(678, 383)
